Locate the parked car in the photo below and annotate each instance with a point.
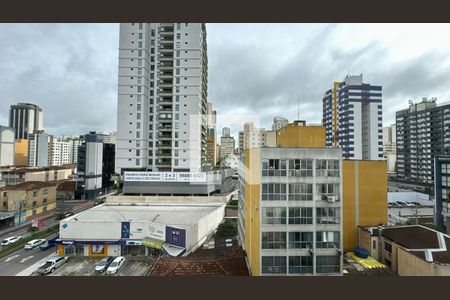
(11, 240)
(51, 265)
(34, 243)
(103, 264)
(115, 266)
(68, 214)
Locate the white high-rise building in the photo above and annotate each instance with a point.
(390, 148)
(38, 149)
(62, 153)
(162, 97)
(6, 146)
(352, 116)
(251, 137)
(279, 122)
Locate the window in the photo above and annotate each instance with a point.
(44, 201)
(139, 62)
(138, 125)
(137, 162)
(326, 190)
(273, 264)
(300, 167)
(34, 204)
(140, 44)
(300, 192)
(327, 239)
(300, 264)
(176, 162)
(274, 167)
(138, 152)
(374, 244)
(5, 194)
(140, 25)
(328, 264)
(273, 240)
(139, 89)
(327, 168)
(138, 116)
(300, 240)
(388, 247)
(140, 53)
(140, 36)
(300, 215)
(45, 191)
(138, 134)
(176, 152)
(327, 215)
(273, 215)
(138, 107)
(35, 193)
(273, 191)
(5, 204)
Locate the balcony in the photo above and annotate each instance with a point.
(165, 137)
(165, 128)
(164, 145)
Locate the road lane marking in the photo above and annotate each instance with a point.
(11, 257)
(30, 270)
(26, 258)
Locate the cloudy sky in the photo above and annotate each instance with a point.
(261, 70)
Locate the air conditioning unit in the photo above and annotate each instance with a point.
(331, 199)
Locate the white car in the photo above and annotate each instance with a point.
(115, 265)
(34, 243)
(11, 240)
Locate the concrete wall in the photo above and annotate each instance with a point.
(296, 136)
(168, 199)
(411, 265)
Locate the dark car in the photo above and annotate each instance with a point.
(103, 264)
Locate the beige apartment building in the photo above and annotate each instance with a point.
(13, 176)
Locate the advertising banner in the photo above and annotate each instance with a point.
(198, 177)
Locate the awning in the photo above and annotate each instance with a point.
(152, 243)
(173, 250)
(6, 215)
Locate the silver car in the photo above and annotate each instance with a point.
(51, 265)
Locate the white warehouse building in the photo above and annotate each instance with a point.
(113, 229)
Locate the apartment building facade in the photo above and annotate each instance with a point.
(6, 146)
(162, 97)
(251, 137)
(442, 192)
(279, 122)
(25, 118)
(290, 211)
(39, 146)
(422, 134)
(390, 148)
(352, 116)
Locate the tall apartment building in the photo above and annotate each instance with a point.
(6, 146)
(300, 204)
(422, 134)
(62, 153)
(279, 122)
(25, 118)
(390, 148)
(251, 137)
(211, 138)
(226, 131)
(38, 149)
(352, 116)
(162, 97)
(290, 211)
(442, 192)
(227, 145)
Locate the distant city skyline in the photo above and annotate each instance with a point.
(254, 69)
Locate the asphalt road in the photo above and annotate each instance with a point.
(24, 231)
(22, 259)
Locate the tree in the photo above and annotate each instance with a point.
(227, 229)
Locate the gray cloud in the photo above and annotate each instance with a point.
(70, 70)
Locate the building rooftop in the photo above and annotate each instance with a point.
(204, 263)
(36, 169)
(423, 242)
(180, 215)
(29, 185)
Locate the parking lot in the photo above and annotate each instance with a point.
(84, 266)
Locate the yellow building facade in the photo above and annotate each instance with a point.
(21, 153)
(298, 135)
(364, 197)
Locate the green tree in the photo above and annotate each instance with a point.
(227, 229)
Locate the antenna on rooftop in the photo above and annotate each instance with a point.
(298, 108)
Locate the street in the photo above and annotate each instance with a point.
(22, 259)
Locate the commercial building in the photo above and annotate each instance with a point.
(21, 153)
(74, 143)
(408, 250)
(95, 165)
(62, 153)
(176, 229)
(6, 146)
(39, 146)
(162, 97)
(226, 131)
(422, 134)
(352, 116)
(27, 200)
(25, 118)
(279, 122)
(442, 192)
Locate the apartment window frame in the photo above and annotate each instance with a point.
(273, 215)
(274, 192)
(273, 240)
(328, 215)
(300, 192)
(301, 167)
(301, 240)
(273, 264)
(300, 215)
(328, 239)
(301, 265)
